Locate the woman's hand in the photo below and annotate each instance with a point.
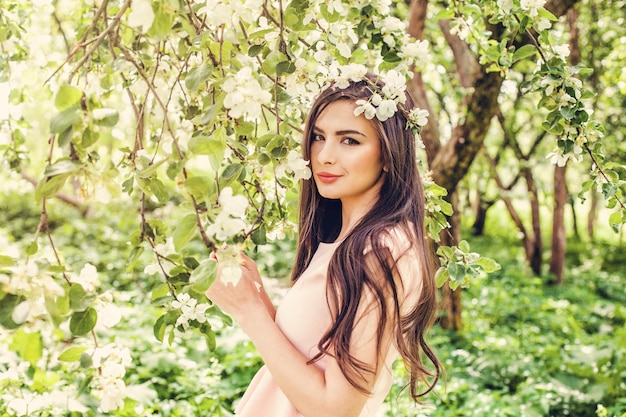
(247, 296)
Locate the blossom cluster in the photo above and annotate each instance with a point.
(295, 165)
(190, 310)
(230, 220)
(111, 361)
(244, 95)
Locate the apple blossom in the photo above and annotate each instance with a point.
(141, 14)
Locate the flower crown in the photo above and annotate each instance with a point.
(385, 101)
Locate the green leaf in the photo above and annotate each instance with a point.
(271, 62)
(31, 248)
(285, 67)
(199, 187)
(159, 328)
(51, 186)
(524, 52)
(488, 265)
(160, 292)
(203, 276)
(67, 96)
(198, 76)
(263, 158)
(163, 21)
(57, 306)
(464, 246)
(62, 166)
(255, 50)
(86, 362)
(134, 256)
(72, 354)
(259, 237)
(185, 230)
(6, 261)
(441, 276)
(79, 298)
(7, 304)
(28, 345)
(64, 120)
(160, 325)
(213, 146)
(158, 189)
(150, 169)
(616, 218)
(105, 117)
(82, 322)
(232, 171)
(88, 138)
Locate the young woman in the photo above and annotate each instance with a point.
(363, 291)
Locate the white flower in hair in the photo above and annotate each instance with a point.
(419, 116)
(366, 108)
(385, 110)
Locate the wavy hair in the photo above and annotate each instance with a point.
(400, 206)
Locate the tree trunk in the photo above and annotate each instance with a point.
(535, 256)
(593, 213)
(557, 259)
(481, 207)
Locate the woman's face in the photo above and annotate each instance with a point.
(346, 156)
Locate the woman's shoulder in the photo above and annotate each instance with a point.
(397, 238)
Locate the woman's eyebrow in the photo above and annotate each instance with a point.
(341, 132)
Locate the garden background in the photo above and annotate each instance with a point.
(138, 136)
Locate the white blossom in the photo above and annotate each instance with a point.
(112, 393)
(230, 220)
(244, 95)
(343, 36)
(419, 116)
(231, 273)
(21, 312)
(504, 7)
(366, 108)
(557, 157)
(88, 278)
(395, 86)
(109, 315)
(141, 14)
(415, 50)
(385, 110)
(461, 27)
(544, 24)
(531, 6)
(225, 226)
(234, 205)
(295, 165)
(190, 310)
(562, 51)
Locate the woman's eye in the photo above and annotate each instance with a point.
(350, 141)
(317, 138)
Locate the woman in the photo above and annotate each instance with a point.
(363, 290)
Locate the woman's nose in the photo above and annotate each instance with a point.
(326, 154)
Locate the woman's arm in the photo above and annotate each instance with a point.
(312, 391)
(249, 267)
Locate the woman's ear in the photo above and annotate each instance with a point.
(385, 169)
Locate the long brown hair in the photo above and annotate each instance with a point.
(400, 206)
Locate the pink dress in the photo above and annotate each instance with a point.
(303, 316)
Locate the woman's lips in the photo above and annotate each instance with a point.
(327, 177)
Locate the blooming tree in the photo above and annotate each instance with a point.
(192, 111)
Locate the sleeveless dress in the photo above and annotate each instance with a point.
(304, 316)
